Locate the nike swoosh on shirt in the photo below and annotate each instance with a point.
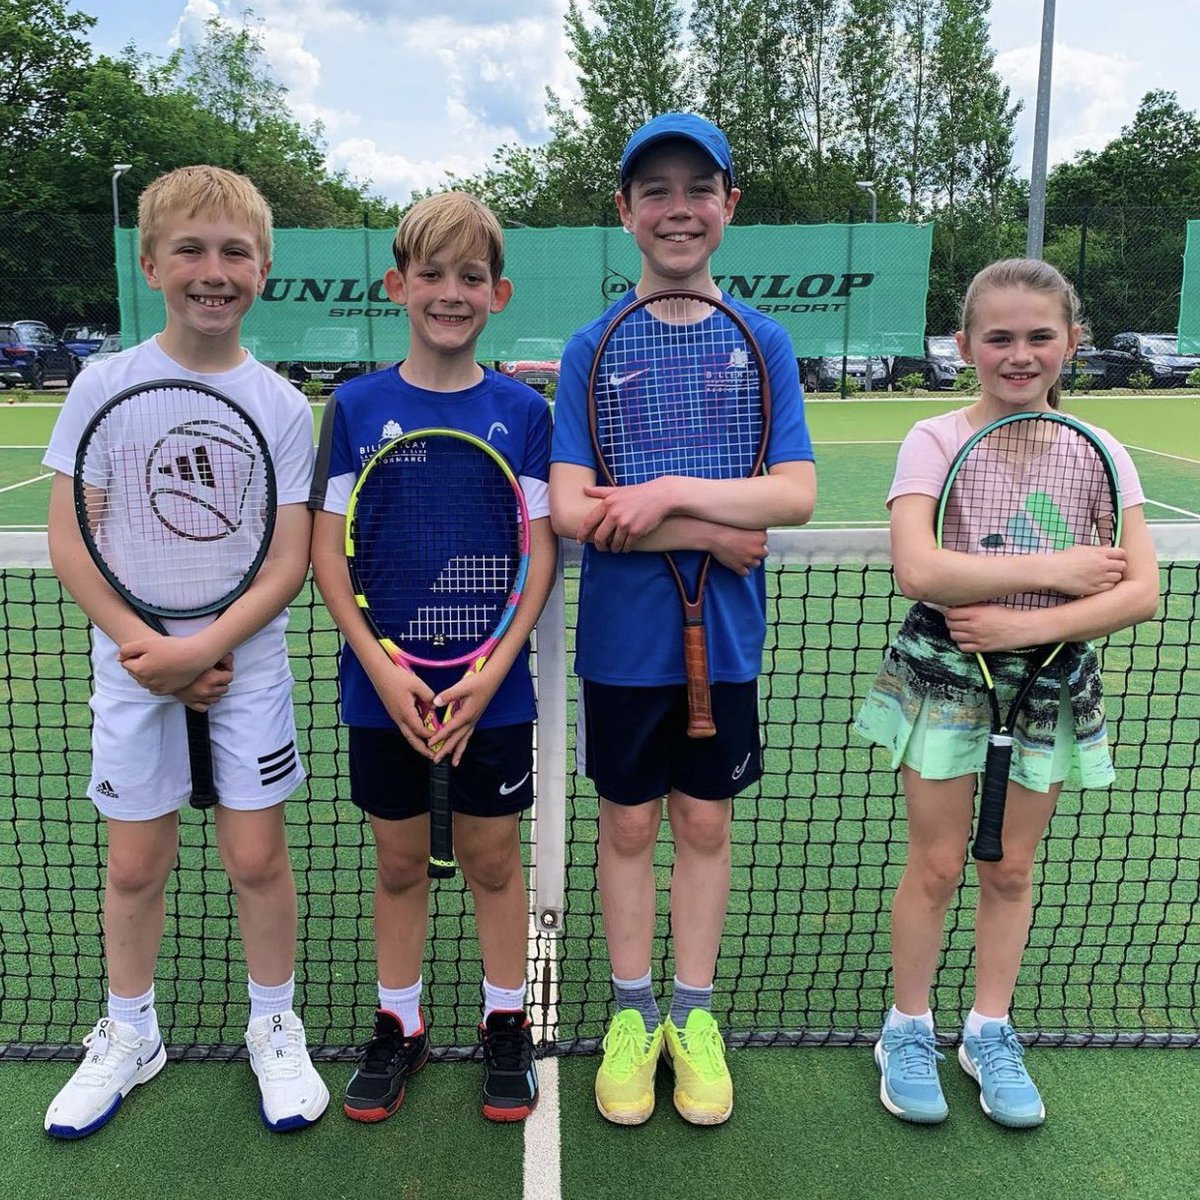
(507, 789)
(615, 380)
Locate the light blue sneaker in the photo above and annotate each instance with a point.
(994, 1061)
(909, 1086)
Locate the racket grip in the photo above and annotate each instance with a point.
(993, 794)
(441, 823)
(204, 792)
(695, 662)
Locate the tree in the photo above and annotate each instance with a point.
(228, 75)
(42, 51)
(1134, 198)
(868, 63)
(629, 65)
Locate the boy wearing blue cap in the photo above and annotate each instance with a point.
(676, 196)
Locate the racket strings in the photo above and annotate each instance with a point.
(677, 391)
(1030, 487)
(176, 497)
(437, 547)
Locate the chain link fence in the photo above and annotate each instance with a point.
(1126, 263)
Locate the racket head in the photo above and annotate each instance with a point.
(437, 544)
(1030, 483)
(678, 386)
(175, 497)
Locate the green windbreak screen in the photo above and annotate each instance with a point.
(838, 289)
(1189, 298)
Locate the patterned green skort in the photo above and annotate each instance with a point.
(928, 706)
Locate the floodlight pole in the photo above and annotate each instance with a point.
(1041, 135)
(119, 169)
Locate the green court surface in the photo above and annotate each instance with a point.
(807, 1125)
(1114, 949)
(856, 442)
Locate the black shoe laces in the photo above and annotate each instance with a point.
(508, 1049)
(381, 1052)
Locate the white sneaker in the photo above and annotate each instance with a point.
(293, 1094)
(115, 1061)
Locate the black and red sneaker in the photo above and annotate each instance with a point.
(510, 1083)
(376, 1089)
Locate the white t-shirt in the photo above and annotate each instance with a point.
(281, 414)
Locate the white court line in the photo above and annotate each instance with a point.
(1195, 462)
(22, 448)
(12, 487)
(543, 1138)
(1183, 512)
(861, 442)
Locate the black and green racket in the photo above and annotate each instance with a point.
(1029, 483)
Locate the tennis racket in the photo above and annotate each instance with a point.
(679, 386)
(175, 497)
(437, 543)
(1028, 483)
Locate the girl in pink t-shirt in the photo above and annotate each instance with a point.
(1020, 321)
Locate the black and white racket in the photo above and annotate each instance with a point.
(1029, 483)
(176, 502)
(679, 386)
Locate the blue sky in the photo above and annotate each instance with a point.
(408, 91)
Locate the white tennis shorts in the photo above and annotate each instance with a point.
(140, 767)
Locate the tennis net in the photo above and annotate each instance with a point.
(818, 846)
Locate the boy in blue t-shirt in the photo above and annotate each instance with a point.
(449, 253)
(676, 197)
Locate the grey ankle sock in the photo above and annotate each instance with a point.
(685, 998)
(639, 994)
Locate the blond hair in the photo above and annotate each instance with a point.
(453, 221)
(1037, 276)
(203, 189)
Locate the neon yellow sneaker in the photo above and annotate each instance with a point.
(703, 1089)
(625, 1081)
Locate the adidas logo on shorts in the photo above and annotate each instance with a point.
(104, 788)
(277, 765)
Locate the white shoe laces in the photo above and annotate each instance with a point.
(100, 1064)
(275, 1067)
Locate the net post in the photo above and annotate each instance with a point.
(550, 802)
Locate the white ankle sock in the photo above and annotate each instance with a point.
(135, 1011)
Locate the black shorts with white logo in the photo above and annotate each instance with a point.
(390, 780)
(632, 742)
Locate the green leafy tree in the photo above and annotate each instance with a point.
(43, 49)
(629, 63)
(869, 65)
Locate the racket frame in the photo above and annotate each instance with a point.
(204, 794)
(988, 845)
(695, 643)
(441, 820)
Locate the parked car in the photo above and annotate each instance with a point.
(109, 348)
(31, 354)
(534, 361)
(1153, 354)
(939, 367)
(1087, 370)
(331, 354)
(83, 340)
(825, 374)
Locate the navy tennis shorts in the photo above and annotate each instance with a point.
(390, 780)
(632, 742)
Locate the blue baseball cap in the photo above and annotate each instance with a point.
(688, 126)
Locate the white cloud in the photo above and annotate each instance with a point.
(1093, 95)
